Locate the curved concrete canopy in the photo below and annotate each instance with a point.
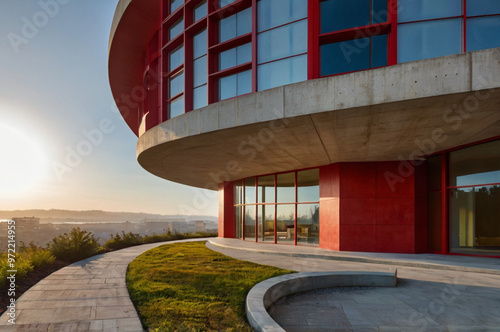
(403, 112)
(134, 24)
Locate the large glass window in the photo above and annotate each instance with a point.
(483, 33)
(483, 7)
(353, 55)
(200, 11)
(474, 178)
(176, 29)
(200, 70)
(340, 15)
(411, 10)
(429, 39)
(235, 25)
(287, 207)
(282, 42)
(235, 56)
(176, 58)
(235, 85)
(174, 4)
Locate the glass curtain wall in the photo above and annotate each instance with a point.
(281, 208)
(474, 199)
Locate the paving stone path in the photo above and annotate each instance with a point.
(90, 295)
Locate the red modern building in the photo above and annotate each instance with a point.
(354, 125)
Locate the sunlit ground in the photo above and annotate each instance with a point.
(22, 162)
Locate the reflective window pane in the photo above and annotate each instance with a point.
(176, 29)
(434, 223)
(200, 11)
(250, 222)
(285, 223)
(308, 185)
(200, 71)
(411, 10)
(238, 192)
(176, 58)
(176, 107)
(379, 51)
(250, 191)
(200, 44)
(272, 13)
(235, 25)
(235, 85)
(174, 4)
(200, 97)
(339, 15)
(265, 189)
(308, 224)
(483, 7)
(430, 39)
(238, 222)
(235, 56)
(282, 42)
(265, 217)
(475, 220)
(483, 33)
(476, 165)
(223, 3)
(282, 72)
(379, 11)
(176, 85)
(285, 185)
(434, 172)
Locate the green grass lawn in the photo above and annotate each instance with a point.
(188, 287)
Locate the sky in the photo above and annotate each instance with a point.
(63, 144)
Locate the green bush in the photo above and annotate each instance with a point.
(22, 265)
(37, 255)
(78, 244)
(123, 241)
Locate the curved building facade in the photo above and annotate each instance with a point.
(365, 125)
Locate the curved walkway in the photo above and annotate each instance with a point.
(434, 292)
(89, 295)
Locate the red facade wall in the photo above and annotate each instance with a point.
(381, 207)
(226, 210)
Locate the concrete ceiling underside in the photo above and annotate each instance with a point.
(403, 130)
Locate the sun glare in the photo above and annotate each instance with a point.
(22, 162)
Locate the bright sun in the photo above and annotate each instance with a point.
(22, 163)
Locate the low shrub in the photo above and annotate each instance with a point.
(123, 241)
(78, 244)
(37, 255)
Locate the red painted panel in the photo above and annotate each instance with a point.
(329, 179)
(421, 225)
(396, 239)
(395, 179)
(358, 237)
(395, 211)
(329, 223)
(358, 179)
(226, 210)
(358, 211)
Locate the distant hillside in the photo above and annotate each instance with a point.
(93, 215)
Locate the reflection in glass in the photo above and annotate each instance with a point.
(176, 29)
(282, 72)
(200, 44)
(176, 107)
(176, 58)
(238, 222)
(285, 216)
(200, 11)
(274, 13)
(286, 187)
(238, 193)
(235, 56)
(308, 185)
(483, 33)
(434, 172)
(235, 85)
(174, 4)
(266, 222)
(479, 164)
(176, 85)
(200, 71)
(353, 55)
(434, 220)
(475, 220)
(250, 222)
(339, 15)
(412, 10)
(265, 189)
(235, 25)
(250, 191)
(200, 97)
(282, 42)
(483, 7)
(424, 40)
(308, 223)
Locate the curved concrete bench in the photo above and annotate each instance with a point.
(265, 293)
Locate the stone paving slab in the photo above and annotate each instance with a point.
(89, 295)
